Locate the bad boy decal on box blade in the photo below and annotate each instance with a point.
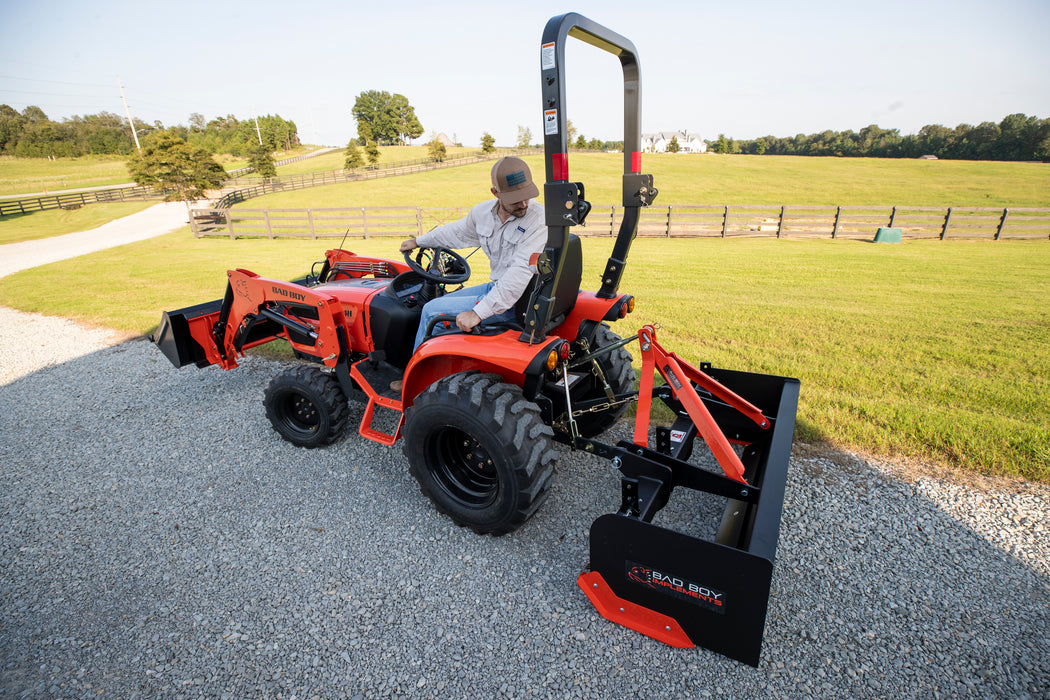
(676, 587)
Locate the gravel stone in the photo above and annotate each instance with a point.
(158, 539)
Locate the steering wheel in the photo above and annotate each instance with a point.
(446, 266)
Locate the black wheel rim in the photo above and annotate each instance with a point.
(462, 468)
(298, 414)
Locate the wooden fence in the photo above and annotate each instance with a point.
(678, 221)
(75, 200)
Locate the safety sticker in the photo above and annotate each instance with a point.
(550, 122)
(547, 60)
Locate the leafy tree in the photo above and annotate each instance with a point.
(596, 145)
(1042, 149)
(672, 146)
(372, 152)
(168, 164)
(488, 144)
(436, 151)
(760, 146)
(11, 123)
(390, 118)
(34, 115)
(524, 137)
(354, 159)
(261, 161)
(581, 142)
(570, 130)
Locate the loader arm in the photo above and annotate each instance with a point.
(259, 309)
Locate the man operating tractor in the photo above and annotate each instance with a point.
(510, 231)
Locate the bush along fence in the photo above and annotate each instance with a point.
(75, 200)
(678, 221)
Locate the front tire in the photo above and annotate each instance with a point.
(480, 451)
(306, 406)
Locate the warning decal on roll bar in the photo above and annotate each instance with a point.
(550, 122)
(547, 60)
(676, 587)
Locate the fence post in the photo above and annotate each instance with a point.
(725, 220)
(1002, 222)
(835, 229)
(780, 222)
(269, 231)
(419, 221)
(893, 216)
(669, 208)
(364, 222)
(310, 218)
(229, 225)
(947, 220)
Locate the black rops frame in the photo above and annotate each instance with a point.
(563, 200)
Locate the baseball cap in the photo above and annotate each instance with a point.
(513, 180)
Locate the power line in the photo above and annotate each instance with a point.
(56, 82)
(53, 94)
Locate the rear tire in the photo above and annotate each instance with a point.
(616, 366)
(306, 406)
(480, 451)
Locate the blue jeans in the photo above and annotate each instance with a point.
(454, 304)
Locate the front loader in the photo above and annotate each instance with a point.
(479, 414)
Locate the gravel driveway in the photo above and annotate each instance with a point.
(157, 539)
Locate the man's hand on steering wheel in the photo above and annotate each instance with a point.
(443, 263)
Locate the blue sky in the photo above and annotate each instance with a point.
(744, 68)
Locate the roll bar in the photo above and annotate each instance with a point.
(564, 200)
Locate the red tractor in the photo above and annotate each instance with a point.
(479, 413)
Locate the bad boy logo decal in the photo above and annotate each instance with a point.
(676, 587)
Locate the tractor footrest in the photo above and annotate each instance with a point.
(375, 379)
(378, 376)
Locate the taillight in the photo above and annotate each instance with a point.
(559, 353)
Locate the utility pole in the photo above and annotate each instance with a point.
(257, 132)
(128, 112)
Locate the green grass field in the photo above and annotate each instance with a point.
(27, 175)
(387, 154)
(932, 350)
(929, 350)
(716, 179)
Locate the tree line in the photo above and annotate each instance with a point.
(1016, 137)
(31, 134)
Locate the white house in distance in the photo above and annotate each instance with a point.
(687, 142)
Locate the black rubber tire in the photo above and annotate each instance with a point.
(307, 407)
(480, 451)
(617, 368)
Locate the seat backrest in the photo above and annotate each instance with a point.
(568, 285)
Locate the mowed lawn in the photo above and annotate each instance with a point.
(925, 350)
(716, 179)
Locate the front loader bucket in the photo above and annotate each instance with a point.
(682, 589)
(175, 338)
